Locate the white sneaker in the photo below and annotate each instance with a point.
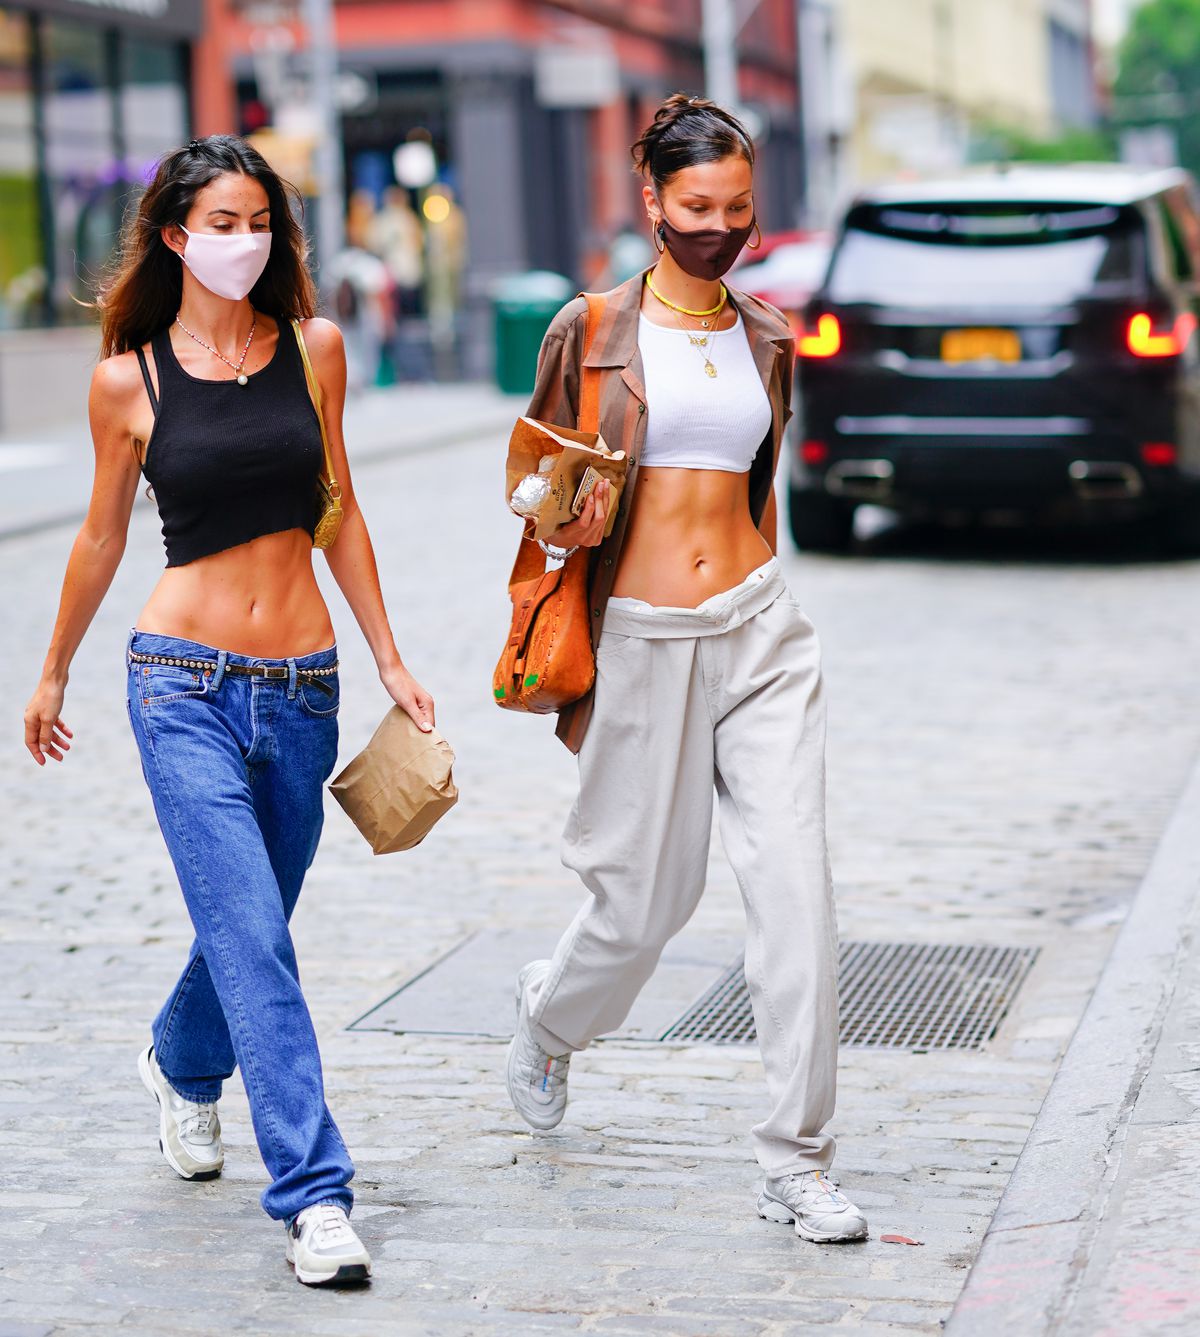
(537, 1081)
(189, 1135)
(322, 1247)
(821, 1211)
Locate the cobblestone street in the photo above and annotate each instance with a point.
(1011, 722)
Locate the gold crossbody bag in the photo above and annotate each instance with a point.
(329, 490)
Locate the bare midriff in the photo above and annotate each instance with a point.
(259, 599)
(690, 536)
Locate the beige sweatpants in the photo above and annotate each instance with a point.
(726, 694)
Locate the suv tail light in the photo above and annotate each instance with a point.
(1159, 454)
(824, 341)
(1144, 340)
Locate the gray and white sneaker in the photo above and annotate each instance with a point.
(189, 1134)
(821, 1211)
(537, 1081)
(323, 1248)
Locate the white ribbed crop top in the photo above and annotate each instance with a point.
(697, 421)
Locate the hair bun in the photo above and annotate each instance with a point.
(677, 106)
(670, 142)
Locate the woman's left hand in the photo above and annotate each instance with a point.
(410, 696)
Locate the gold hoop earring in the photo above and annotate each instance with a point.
(753, 246)
(656, 238)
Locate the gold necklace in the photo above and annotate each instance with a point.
(700, 341)
(697, 315)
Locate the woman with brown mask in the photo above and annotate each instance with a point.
(707, 671)
(207, 332)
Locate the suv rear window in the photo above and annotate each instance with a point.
(995, 255)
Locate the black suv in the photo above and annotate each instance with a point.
(1018, 339)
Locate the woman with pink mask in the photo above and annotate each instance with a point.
(232, 668)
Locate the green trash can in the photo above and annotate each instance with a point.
(523, 307)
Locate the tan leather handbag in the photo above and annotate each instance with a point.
(547, 661)
(329, 491)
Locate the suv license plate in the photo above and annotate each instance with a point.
(981, 345)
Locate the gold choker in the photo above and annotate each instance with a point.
(683, 310)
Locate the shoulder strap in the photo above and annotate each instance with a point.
(141, 357)
(531, 561)
(314, 391)
(589, 379)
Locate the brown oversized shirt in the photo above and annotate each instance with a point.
(623, 410)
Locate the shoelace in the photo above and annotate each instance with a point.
(831, 1186)
(200, 1123)
(545, 1070)
(820, 1182)
(331, 1222)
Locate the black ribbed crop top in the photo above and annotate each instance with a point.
(229, 463)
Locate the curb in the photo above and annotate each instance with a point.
(1027, 1274)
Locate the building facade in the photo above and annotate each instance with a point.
(530, 106)
(90, 95)
(919, 85)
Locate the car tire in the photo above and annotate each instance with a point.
(819, 523)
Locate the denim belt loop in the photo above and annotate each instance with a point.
(219, 676)
(291, 679)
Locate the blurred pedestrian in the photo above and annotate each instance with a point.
(445, 261)
(398, 239)
(232, 668)
(360, 219)
(361, 292)
(396, 236)
(707, 671)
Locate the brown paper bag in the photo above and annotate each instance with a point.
(398, 785)
(531, 440)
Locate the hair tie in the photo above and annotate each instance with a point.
(194, 145)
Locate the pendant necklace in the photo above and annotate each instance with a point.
(701, 342)
(242, 378)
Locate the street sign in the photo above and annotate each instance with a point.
(574, 75)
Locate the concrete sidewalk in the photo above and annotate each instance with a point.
(1094, 1234)
(46, 476)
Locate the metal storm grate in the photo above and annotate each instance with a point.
(894, 995)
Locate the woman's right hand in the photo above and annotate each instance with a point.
(46, 732)
(587, 529)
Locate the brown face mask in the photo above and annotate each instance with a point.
(705, 253)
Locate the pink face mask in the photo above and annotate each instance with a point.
(227, 264)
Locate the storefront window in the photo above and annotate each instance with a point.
(87, 108)
(153, 101)
(85, 178)
(22, 277)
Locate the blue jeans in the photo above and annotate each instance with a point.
(236, 767)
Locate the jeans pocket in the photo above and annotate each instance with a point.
(322, 702)
(164, 682)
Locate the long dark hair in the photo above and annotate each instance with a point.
(142, 292)
(686, 131)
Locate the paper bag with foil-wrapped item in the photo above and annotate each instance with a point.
(547, 464)
(398, 785)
